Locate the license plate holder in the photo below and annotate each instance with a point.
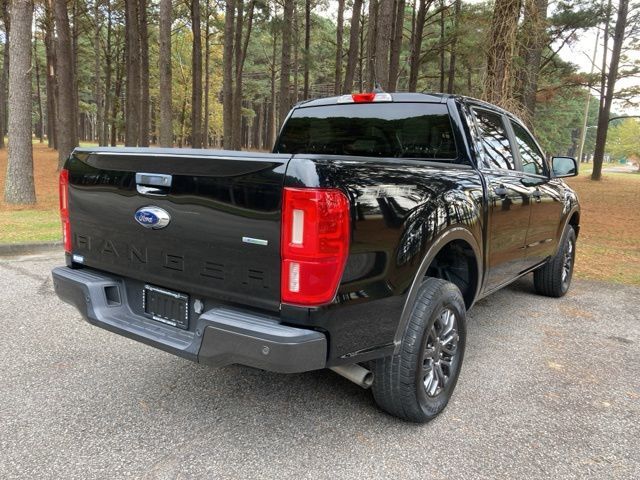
(166, 306)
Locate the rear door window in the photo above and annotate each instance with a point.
(398, 130)
(495, 140)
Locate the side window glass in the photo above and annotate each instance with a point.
(495, 140)
(530, 154)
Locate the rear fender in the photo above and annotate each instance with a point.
(402, 211)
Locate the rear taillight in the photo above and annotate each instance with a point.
(315, 244)
(64, 210)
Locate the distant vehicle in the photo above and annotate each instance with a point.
(357, 245)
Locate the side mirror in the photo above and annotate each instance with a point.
(564, 167)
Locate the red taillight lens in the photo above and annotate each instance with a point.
(315, 244)
(64, 210)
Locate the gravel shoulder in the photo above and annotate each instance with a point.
(549, 389)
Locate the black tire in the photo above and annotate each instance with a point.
(554, 277)
(401, 381)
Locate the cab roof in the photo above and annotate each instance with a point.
(396, 97)
(409, 97)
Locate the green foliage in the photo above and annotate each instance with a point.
(623, 140)
(561, 91)
(576, 14)
(559, 120)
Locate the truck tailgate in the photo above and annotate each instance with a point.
(223, 235)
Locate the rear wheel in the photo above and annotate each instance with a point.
(554, 277)
(416, 384)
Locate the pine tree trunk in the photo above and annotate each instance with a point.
(244, 47)
(296, 56)
(166, 115)
(352, 55)
(183, 119)
(337, 87)
(227, 78)
(236, 123)
(270, 137)
(207, 79)
(75, 34)
(361, 53)
(605, 51)
(19, 188)
(372, 28)
(104, 135)
(236, 142)
(120, 68)
(396, 45)
(36, 62)
(51, 74)
(498, 84)
(416, 45)
(257, 126)
(285, 61)
(307, 45)
(534, 33)
(144, 128)
(196, 77)
(265, 121)
(132, 48)
(383, 42)
(441, 47)
(4, 78)
(97, 73)
(612, 76)
(67, 133)
(454, 43)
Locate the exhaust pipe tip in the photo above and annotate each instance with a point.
(356, 374)
(367, 381)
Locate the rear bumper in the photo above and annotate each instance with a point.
(218, 337)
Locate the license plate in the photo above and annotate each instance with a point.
(166, 306)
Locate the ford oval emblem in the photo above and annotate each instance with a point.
(152, 217)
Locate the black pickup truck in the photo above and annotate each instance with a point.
(357, 245)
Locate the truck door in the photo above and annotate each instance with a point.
(546, 197)
(509, 200)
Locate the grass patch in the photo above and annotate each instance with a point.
(629, 176)
(33, 223)
(609, 242)
(30, 226)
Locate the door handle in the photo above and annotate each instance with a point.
(501, 191)
(537, 195)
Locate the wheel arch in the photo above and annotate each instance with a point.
(574, 221)
(455, 235)
(571, 218)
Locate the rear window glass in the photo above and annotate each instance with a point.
(400, 130)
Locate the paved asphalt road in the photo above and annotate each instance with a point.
(549, 389)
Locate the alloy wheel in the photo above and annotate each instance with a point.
(440, 352)
(567, 262)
